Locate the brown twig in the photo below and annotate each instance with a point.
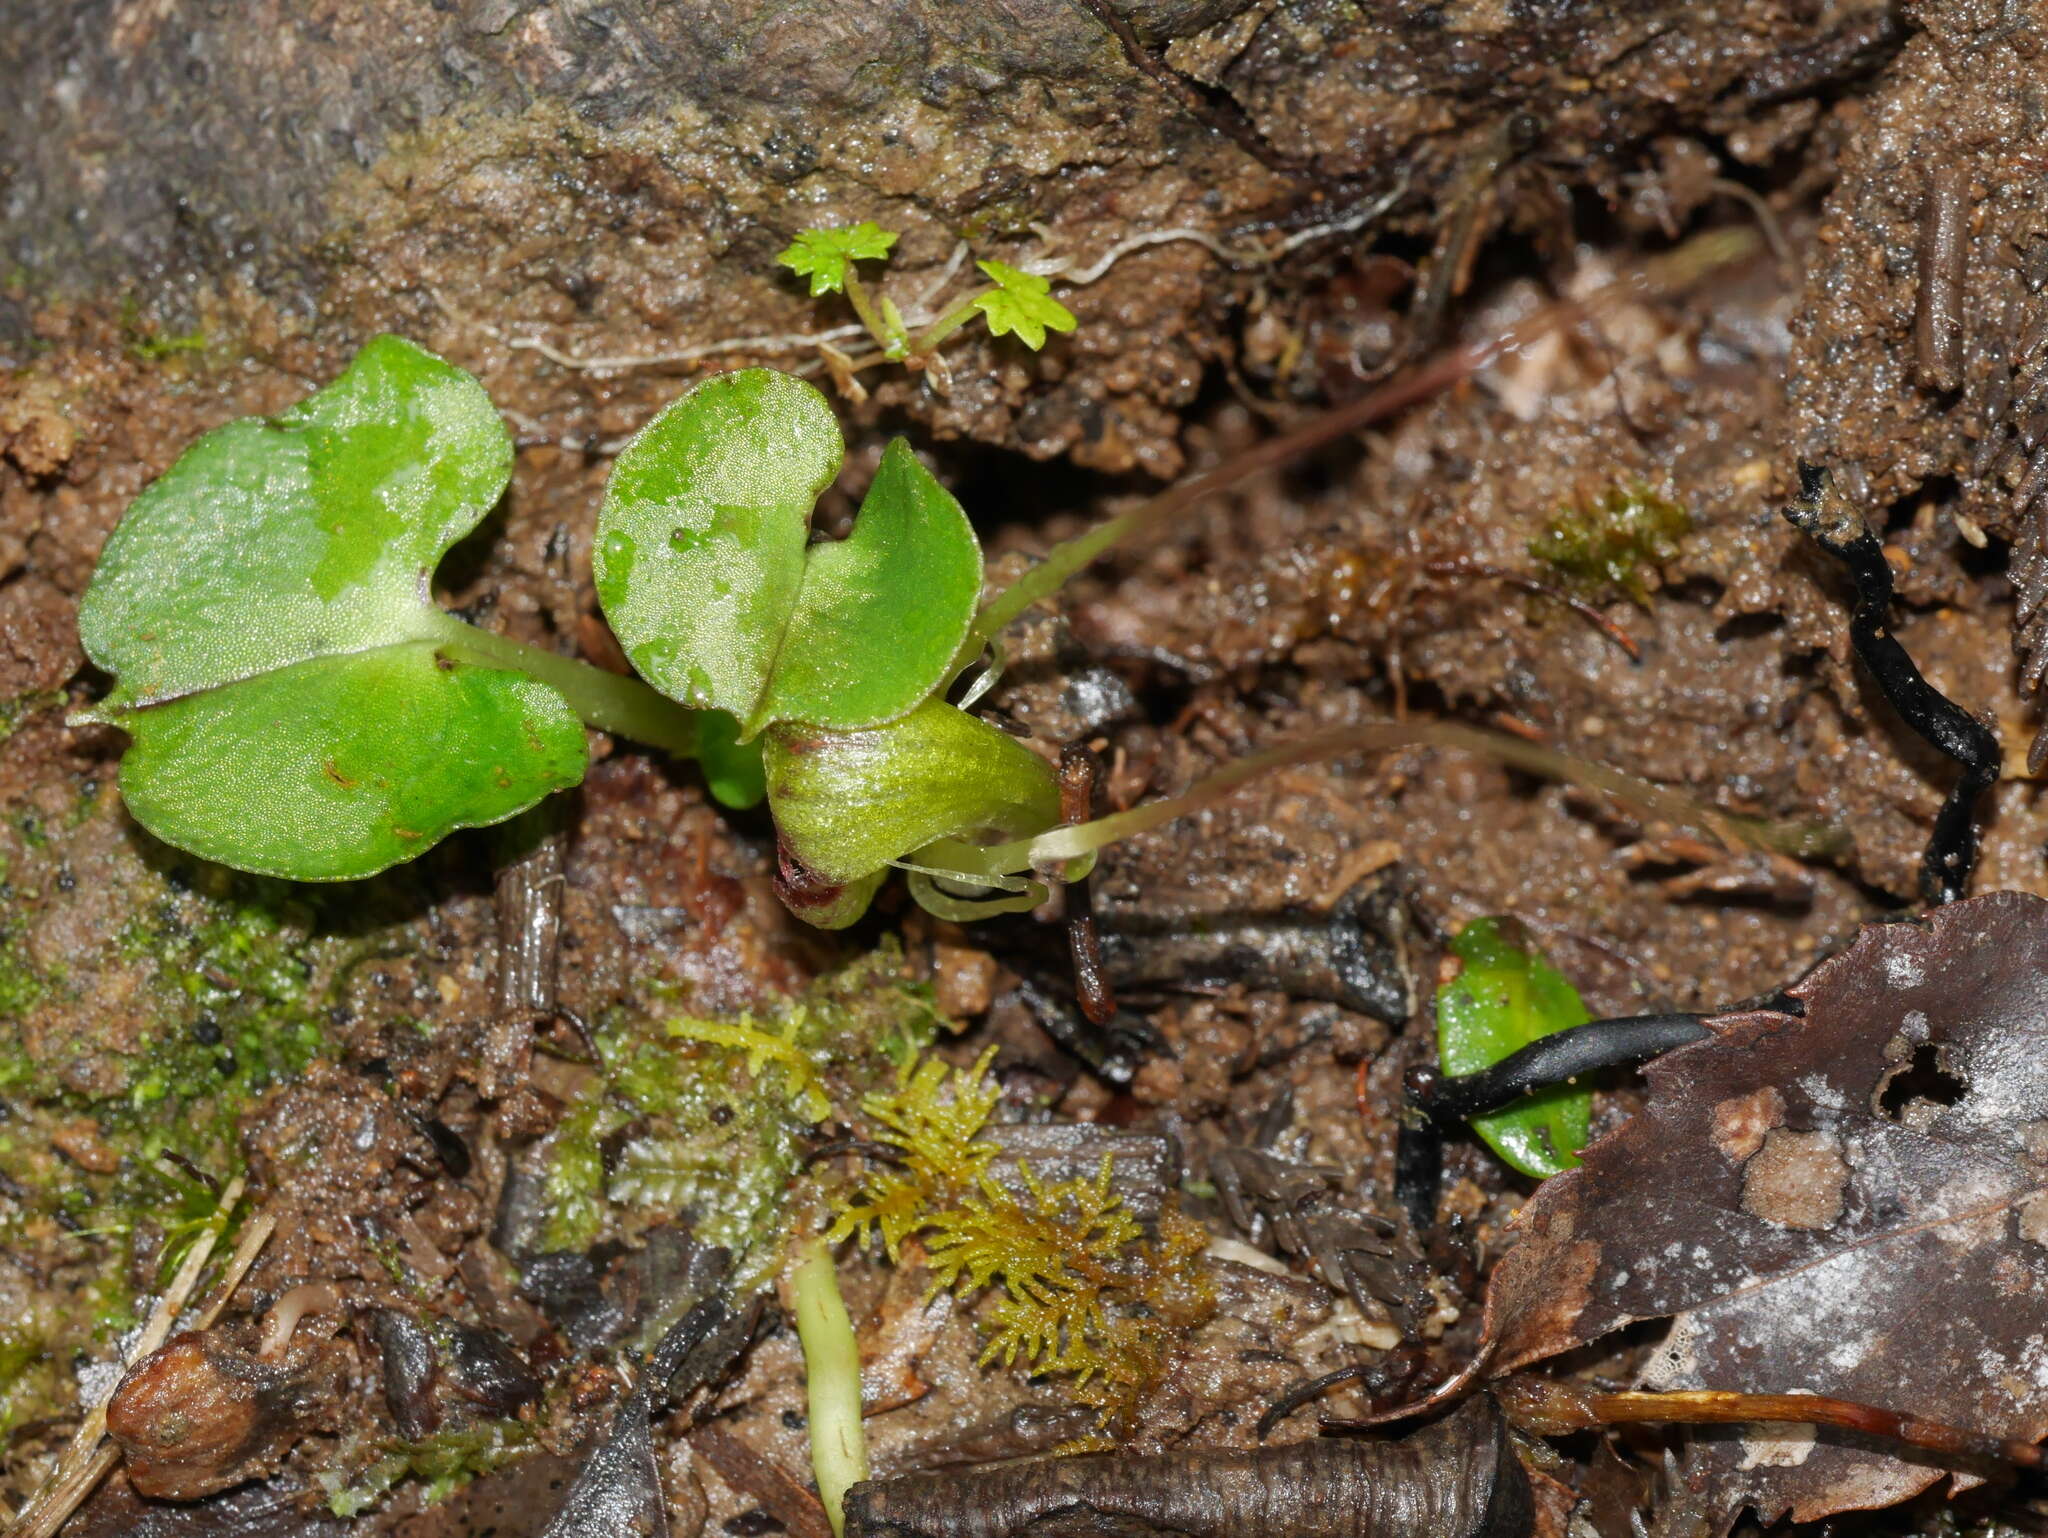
(1943, 254)
(1079, 769)
(1552, 1408)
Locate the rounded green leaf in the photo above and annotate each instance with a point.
(706, 573)
(274, 541)
(732, 769)
(848, 803)
(1503, 997)
(341, 766)
(882, 611)
(264, 608)
(700, 546)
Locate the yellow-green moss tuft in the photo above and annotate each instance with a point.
(1611, 545)
(1085, 1294)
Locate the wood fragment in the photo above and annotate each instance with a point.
(1457, 1478)
(780, 1493)
(1944, 250)
(529, 915)
(1079, 770)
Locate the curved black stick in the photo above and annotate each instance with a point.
(1436, 1104)
(1824, 516)
(1294, 1398)
(1555, 1059)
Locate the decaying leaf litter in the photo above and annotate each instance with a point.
(1309, 601)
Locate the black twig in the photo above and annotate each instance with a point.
(1555, 1059)
(865, 1147)
(1437, 1104)
(1823, 515)
(185, 1166)
(1418, 1168)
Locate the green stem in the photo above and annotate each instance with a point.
(625, 707)
(948, 323)
(864, 307)
(839, 1449)
(1047, 851)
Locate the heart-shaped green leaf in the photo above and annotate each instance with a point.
(264, 609)
(1504, 996)
(705, 572)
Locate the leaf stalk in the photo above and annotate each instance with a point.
(625, 707)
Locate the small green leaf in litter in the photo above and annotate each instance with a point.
(732, 769)
(822, 255)
(278, 658)
(1021, 302)
(1503, 996)
(706, 572)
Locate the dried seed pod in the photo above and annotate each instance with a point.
(1458, 1478)
(197, 1415)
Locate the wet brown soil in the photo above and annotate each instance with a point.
(602, 183)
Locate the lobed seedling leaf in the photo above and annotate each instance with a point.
(265, 610)
(1021, 303)
(1503, 997)
(822, 255)
(706, 574)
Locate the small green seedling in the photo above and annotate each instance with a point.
(705, 569)
(1502, 996)
(826, 256)
(1019, 303)
(1013, 302)
(300, 706)
(836, 651)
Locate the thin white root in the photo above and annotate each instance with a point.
(291, 1306)
(1067, 272)
(615, 362)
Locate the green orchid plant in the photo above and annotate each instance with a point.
(299, 705)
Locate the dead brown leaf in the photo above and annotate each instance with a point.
(1852, 1204)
